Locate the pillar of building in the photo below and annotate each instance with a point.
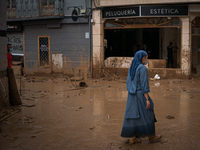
(4, 99)
(185, 47)
(97, 38)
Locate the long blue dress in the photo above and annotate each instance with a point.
(138, 121)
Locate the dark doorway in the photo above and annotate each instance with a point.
(151, 40)
(125, 42)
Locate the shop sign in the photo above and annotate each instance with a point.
(14, 26)
(164, 10)
(121, 12)
(146, 11)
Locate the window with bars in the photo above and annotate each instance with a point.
(43, 43)
(46, 3)
(11, 3)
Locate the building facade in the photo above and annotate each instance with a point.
(121, 28)
(4, 99)
(53, 35)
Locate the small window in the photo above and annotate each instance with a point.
(43, 43)
(11, 3)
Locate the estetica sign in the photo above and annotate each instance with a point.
(164, 10)
(121, 12)
(145, 11)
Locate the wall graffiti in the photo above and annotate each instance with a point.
(16, 39)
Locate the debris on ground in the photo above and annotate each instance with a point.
(191, 97)
(156, 77)
(82, 84)
(8, 113)
(157, 84)
(33, 136)
(91, 128)
(183, 88)
(27, 119)
(170, 117)
(76, 79)
(26, 105)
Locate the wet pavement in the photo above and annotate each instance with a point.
(55, 115)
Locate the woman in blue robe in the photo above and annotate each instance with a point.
(139, 119)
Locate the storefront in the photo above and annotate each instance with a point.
(118, 32)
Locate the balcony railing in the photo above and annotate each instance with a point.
(18, 9)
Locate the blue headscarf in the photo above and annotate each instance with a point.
(136, 61)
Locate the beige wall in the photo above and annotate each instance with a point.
(136, 2)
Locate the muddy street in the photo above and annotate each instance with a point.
(55, 115)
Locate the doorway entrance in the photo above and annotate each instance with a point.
(124, 37)
(196, 46)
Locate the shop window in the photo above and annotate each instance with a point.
(43, 49)
(125, 36)
(11, 3)
(46, 3)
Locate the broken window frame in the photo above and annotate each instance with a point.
(161, 22)
(47, 64)
(11, 4)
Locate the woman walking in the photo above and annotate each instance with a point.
(139, 119)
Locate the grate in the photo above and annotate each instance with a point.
(44, 51)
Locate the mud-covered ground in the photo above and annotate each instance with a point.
(56, 115)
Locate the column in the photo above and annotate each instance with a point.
(97, 36)
(185, 47)
(4, 93)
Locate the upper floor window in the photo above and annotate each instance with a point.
(11, 3)
(46, 3)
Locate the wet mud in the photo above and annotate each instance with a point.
(56, 115)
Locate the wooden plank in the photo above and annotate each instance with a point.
(124, 22)
(117, 24)
(167, 22)
(14, 97)
(158, 21)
